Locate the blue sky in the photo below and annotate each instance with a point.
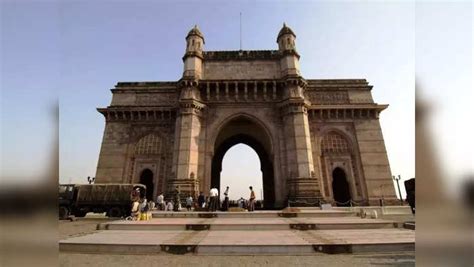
(79, 50)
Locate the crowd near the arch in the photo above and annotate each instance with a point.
(141, 207)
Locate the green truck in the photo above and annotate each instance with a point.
(113, 199)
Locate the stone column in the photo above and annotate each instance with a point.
(302, 183)
(187, 136)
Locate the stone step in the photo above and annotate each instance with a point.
(237, 242)
(249, 224)
(255, 214)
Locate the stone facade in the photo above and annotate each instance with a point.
(317, 140)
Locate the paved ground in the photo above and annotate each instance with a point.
(400, 259)
(276, 223)
(88, 225)
(245, 237)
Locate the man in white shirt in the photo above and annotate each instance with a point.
(189, 203)
(169, 206)
(213, 194)
(159, 201)
(251, 206)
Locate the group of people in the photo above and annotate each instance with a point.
(210, 203)
(140, 206)
(213, 202)
(173, 205)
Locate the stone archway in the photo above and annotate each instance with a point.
(146, 178)
(340, 187)
(242, 130)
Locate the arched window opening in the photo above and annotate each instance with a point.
(340, 188)
(146, 178)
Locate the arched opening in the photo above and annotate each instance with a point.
(146, 178)
(340, 187)
(244, 130)
(241, 169)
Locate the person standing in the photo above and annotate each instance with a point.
(135, 214)
(410, 189)
(160, 202)
(213, 194)
(176, 200)
(189, 203)
(201, 200)
(225, 205)
(169, 206)
(251, 199)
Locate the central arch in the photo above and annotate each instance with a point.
(244, 130)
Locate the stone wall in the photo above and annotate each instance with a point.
(237, 69)
(145, 99)
(122, 160)
(374, 160)
(113, 153)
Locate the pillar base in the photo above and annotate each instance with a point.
(304, 192)
(386, 201)
(186, 187)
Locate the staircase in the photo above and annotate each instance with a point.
(246, 233)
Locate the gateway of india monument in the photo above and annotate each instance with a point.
(318, 140)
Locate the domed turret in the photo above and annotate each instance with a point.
(195, 31)
(289, 62)
(194, 40)
(193, 56)
(286, 39)
(285, 30)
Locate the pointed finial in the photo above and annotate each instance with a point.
(285, 30)
(195, 31)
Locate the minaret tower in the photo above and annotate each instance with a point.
(290, 65)
(301, 176)
(185, 171)
(193, 57)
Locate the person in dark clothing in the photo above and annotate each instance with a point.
(177, 200)
(225, 205)
(410, 188)
(201, 200)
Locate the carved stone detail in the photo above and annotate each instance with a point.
(328, 97)
(165, 99)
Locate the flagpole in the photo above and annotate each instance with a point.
(241, 31)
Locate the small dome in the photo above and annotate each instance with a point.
(285, 30)
(195, 31)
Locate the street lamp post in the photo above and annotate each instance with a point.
(90, 180)
(397, 179)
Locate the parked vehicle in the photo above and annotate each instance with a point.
(114, 199)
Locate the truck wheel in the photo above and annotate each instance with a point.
(115, 212)
(80, 213)
(63, 212)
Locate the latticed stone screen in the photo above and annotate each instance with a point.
(150, 144)
(334, 143)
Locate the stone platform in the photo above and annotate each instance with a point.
(244, 233)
